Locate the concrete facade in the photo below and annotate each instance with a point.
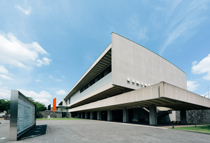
(130, 83)
(131, 60)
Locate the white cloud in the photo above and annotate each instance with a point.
(38, 80)
(3, 70)
(42, 94)
(42, 97)
(16, 53)
(26, 11)
(5, 77)
(135, 26)
(5, 93)
(45, 101)
(1, 83)
(44, 61)
(203, 67)
(59, 80)
(61, 92)
(207, 77)
(50, 76)
(182, 24)
(192, 85)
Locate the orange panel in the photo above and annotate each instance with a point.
(54, 104)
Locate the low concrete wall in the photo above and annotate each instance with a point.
(7, 117)
(196, 116)
(53, 114)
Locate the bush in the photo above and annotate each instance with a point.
(4, 105)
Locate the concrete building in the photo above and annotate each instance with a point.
(129, 83)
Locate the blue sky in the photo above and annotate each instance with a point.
(46, 46)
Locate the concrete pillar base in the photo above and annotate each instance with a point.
(152, 115)
(91, 115)
(98, 115)
(86, 115)
(109, 115)
(125, 115)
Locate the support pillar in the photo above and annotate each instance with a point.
(183, 117)
(91, 115)
(98, 115)
(86, 115)
(78, 115)
(109, 115)
(125, 115)
(82, 115)
(152, 115)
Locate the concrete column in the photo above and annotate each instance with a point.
(78, 114)
(152, 115)
(86, 115)
(183, 117)
(98, 115)
(109, 115)
(91, 115)
(125, 115)
(82, 115)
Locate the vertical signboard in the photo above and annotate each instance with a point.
(54, 104)
(22, 116)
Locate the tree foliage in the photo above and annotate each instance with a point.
(39, 106)
(4, 105)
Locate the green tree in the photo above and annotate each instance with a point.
(39, 106)
(4, 105)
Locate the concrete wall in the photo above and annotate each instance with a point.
(53, 114)
(130, 60)
(102, 82)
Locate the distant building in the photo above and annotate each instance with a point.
(130, 83)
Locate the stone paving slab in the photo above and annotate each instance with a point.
(92, 131)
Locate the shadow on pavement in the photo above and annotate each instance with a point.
(34, 132)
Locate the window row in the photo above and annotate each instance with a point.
(97, 78)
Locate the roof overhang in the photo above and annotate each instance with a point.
(161, 94)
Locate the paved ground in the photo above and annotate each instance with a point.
(90, 131)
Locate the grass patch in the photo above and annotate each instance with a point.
(59, 119)
(203, 129)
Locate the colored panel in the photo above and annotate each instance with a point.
(54, 104)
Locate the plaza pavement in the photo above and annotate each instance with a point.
(93, 131)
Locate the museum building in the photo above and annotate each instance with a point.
(130, 83)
